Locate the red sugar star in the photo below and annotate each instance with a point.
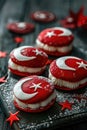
(3, 54)
(2, 80)
(82, 22)
(18, 40)
(49, 61)
(12, 118)
(72, 20)
(66, 105)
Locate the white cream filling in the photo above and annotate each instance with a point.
(53, 48)
(14, 66)
(36, 105)
(67, 84)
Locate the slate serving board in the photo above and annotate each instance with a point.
(54, 117)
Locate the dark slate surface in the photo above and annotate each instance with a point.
(19, 10)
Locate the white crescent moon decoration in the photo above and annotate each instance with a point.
(20, 94)
(19, 56)
(66, 32)
(62, 65)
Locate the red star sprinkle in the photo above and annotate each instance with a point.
(49, 61)
(12, 118)
(3, 54)
(66, 105)
(18, 40)
(2, 80)
(82, 22)
(72, 20)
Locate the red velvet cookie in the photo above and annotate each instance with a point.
(27, 60)
(34, 94)
(68, 73)
(55, 41)
(20, 27)
(69, 22)
(43, 16)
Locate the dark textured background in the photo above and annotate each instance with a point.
(19, 10)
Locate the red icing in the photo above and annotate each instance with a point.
(67, 24)
(45, 90)
(55, 40)
(14, 28)
(49, 17)
(69, 75)
(37, 62)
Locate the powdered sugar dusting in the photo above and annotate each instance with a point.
(54, 116)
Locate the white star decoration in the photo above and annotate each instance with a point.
(50, 34)
(82, 65)
(37, 52)
(36, 86)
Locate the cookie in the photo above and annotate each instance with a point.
(68, 73)
(69, 22)
(55, 41)
(27, 60)
(43, 16)
(20, 27)
(34, 94)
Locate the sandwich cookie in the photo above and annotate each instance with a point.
(55, 41)
(27, 60)
(34, 94)
(68, 73)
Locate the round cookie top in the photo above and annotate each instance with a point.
(69, 68)
(29, 56)
(43, 16)
(33, 89)
(56, 36)
(20, 27)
